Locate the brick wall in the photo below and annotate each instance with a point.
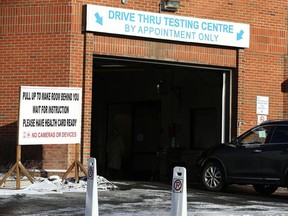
(35, 49)
(261, 67)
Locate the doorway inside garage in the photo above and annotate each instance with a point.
(165, 114)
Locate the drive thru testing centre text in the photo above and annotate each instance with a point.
(166, 27)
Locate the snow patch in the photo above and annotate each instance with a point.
(54, 184)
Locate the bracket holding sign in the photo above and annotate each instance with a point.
(18, 166)
(76, 164)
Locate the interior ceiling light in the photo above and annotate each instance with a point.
(170, 5)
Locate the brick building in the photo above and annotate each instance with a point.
(168, 98)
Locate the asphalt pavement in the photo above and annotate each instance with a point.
(149, 198)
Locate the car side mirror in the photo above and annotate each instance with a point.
(235, 141)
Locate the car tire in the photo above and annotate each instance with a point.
(265, 189)
(213, 177)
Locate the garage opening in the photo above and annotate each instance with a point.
(165, 114)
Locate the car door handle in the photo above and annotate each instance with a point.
(257, 151)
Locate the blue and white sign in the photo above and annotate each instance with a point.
(167, 27)
(262, 105)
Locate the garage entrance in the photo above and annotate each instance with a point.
(165, 114)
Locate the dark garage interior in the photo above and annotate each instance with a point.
(166, 114)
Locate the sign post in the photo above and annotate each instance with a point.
(92, 189)
(179, 192)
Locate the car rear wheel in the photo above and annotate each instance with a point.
(265, 189)
(213, 177)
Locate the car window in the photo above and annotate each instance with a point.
(280, 135)
(256, 136)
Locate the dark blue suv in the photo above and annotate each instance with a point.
(258, 157)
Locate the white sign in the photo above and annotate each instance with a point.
(167, 27)
(262, 105)
(49, 115)
(262, 118)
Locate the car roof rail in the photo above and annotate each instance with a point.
(275, 120)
